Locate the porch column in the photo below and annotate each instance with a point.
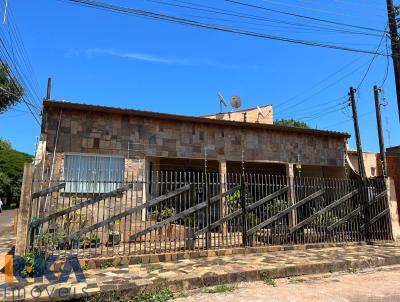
(394, 216)
(291, 193)
(222, 173)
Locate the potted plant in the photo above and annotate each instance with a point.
(166, 213)
(114, 236)
(92, 241)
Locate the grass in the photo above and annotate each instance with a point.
(151, 266)
(352, 270)
(222, 288)
(146, 296)
(106, 264)
(183, 295)
(153, 296)
(267, 279)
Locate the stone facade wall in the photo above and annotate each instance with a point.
(137, 137)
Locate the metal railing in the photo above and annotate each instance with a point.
(179, 211)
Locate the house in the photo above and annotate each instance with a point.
(112, 181)
(119, 142)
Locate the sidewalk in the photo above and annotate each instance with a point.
(7, 236)
(189, 274)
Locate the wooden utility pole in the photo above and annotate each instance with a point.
(394, 37)
(380, 132)
(361, 167)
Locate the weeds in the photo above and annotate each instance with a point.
(106, 264)
(219, 289)
(151, 266)
(153, 296)
(146, 296)
(267, 279)
(352, 270)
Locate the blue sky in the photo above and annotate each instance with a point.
(98, 57)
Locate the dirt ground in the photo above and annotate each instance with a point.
(373, 285)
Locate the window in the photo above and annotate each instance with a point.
(92, 173)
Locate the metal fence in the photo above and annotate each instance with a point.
(178, 211)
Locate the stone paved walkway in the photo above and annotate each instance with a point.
(194, 273)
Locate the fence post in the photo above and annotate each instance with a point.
(291, 193)
(243, 205)
(363, 200)
(208, 213)
(393, 208)
(24, 211)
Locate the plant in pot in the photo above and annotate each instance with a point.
(165, 213)
(33, 265)
(92, 240)
(114, 236)
(72, 224)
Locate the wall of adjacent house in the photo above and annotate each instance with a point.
(252, 115)
(138, 137)
(370, 163)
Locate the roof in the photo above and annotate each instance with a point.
(355, 152)
(183, 118)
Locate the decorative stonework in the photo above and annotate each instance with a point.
(136, 137)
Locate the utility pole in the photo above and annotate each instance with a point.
(361, 167)
(380, 132)
(363, 196)
(394, 37)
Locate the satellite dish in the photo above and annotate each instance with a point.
(236, 102)
(260, 111)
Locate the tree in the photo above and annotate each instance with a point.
(11, 170)
(11, 91)
(291, 123)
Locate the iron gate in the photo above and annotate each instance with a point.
(177, 211)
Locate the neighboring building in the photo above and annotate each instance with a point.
(371, 163)
(250, 115)
(393, 163)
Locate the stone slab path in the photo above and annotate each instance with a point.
(187, 274)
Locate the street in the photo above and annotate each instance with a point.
(7, 222)
(375, 285)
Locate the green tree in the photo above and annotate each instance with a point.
(291, 123)
(11, 170)
(11, 91)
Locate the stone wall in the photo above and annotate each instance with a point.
(137, 137)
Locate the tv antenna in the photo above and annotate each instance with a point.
(236, 102)
(221, 101)
(260, 111)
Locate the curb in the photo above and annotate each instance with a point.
(212, 279)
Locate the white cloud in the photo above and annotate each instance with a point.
(149, 58)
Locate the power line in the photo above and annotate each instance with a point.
(303, 16)
(214, 10)
(371, 62)
(194, 23)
